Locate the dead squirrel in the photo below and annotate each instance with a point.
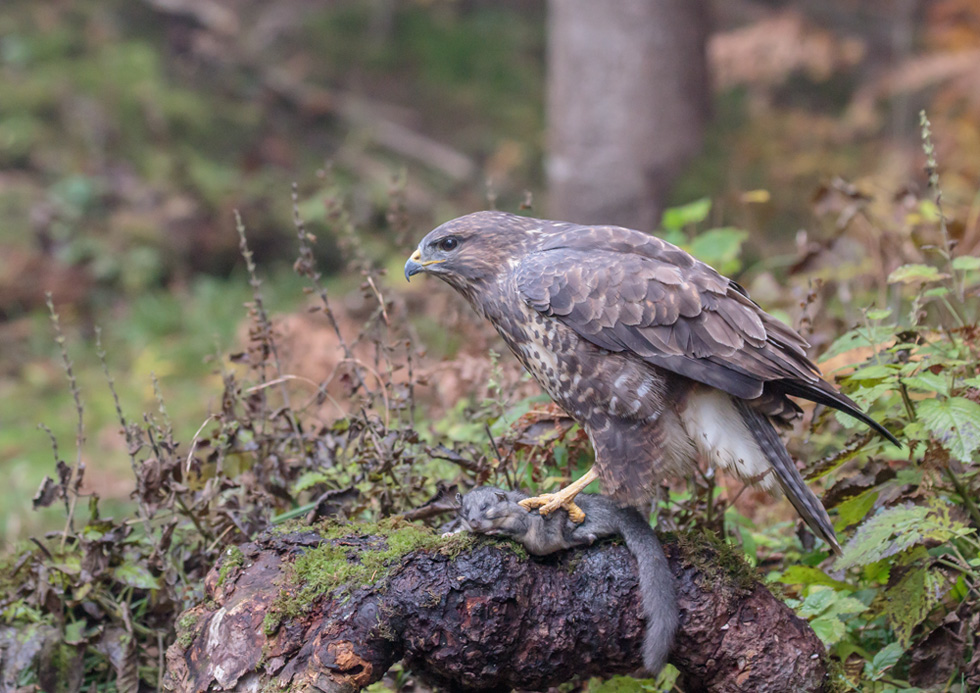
(490, 510)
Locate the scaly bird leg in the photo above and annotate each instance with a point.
(565, 498)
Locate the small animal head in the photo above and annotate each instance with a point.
(473, 249)
(488, 510)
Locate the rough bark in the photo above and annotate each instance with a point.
(627, 103)
(485, 619)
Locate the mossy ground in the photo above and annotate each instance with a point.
(186, 628)
(233, 558)
(718, 559)
(334, 568)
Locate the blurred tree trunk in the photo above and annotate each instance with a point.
(627, 102)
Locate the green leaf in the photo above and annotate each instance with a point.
(719, 248)
(909, 601)
(874, 372)
(829, 629)
(844, 606)
(884, 660)
(966, 263)
(817, 602)
(855, 509)
(955, 422)
(927, 381)
(915, 274)
(896, 529)
(135, 575)
(808, 575)
(309, 479)
(880, 314)
(873, 335)
(691, 213)
(75, 632)
(674, 236)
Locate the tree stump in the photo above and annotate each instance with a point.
(328, 609)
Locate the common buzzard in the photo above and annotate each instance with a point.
(660, 359)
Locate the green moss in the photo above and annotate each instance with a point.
(186, 627)
(273, 617)
(234, 558)
(837, 679)
(331, 567)
(621, 684)
(717, 559)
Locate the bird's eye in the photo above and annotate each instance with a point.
(448, 243)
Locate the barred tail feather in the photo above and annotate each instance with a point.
(799, 494)
(823, 393)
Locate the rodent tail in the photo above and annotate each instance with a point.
(799, 494)
(656, 589)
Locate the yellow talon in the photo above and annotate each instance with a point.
(547, 503)
(575, 513)
(565, 498)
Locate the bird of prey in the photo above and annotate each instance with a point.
(657, 356)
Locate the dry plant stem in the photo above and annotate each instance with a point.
(197, 436)
(79, 412)
(907, 402)
(161, 406)
(54, 450)
(265, 325)
(932, 170)
(100, 351)
(411, 380)
(131, 446)
(321, 390)
(305, 266)
(486, 620)
(964, 493)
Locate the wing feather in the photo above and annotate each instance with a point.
(627, 291)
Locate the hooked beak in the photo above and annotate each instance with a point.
(415, 264)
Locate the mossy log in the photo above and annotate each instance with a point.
(332, 610)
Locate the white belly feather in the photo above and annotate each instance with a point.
(721, 436)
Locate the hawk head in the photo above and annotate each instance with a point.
(471, 250)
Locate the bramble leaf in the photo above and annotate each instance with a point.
(873, 335)
(855, 509)
(808, 575)
(874, 372)
(910, 600)
(884, 660)
(895, 529)
(829, 629)
(927, 381)
(955, 422)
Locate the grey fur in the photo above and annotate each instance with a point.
(493, 511)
